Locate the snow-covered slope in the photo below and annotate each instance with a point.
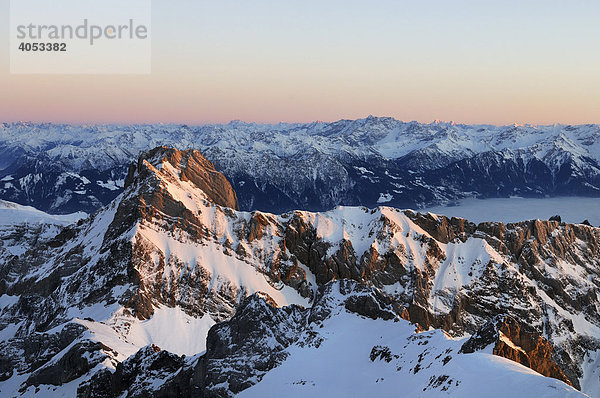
(314, 166)
(21, 226)
(349, 343)
(13, 213)
(169, 262)
(359, 356)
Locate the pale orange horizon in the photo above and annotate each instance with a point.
(304, 61)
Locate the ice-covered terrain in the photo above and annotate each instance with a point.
(110, 305)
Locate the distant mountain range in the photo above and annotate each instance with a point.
(313, 166)
(172, 291)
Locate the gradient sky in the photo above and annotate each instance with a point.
(495, 62)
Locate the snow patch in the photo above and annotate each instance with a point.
(384, 198)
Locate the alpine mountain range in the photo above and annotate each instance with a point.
(316, 166)
(267, 260)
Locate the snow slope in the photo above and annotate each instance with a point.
(22, 225)
(426, 364)
(13, 213)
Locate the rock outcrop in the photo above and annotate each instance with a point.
(518, 343)
(150, 372)
(191, 166)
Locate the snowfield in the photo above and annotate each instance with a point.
(341, 366)
(13, 213)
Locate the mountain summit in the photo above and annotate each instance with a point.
(186, 166)
(171, 291)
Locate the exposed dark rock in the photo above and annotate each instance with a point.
(380, 353)
(34, 351)
(518, 343)
(150, 372)
(77, 361)
(555, 218)
(260, 331)
(372, 305)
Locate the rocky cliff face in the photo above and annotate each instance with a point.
(173, 250)
(519, 343)
(191, 167)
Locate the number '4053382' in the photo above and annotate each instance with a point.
(43, 46)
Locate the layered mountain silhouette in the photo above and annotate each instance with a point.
(314, 166)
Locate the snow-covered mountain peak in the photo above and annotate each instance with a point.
(178, 169)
